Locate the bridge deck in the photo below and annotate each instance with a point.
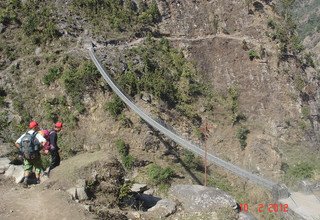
(307, 206)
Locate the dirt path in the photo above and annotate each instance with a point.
(48, 200)
(37, 202)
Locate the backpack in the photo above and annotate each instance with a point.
(30, 146)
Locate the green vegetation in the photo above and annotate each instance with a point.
(3, 121)
(165, 73)
(285, 31)
(309, 19)
(7, 50)
(80, 80)
(253, 54)
(18, 105)
(191, 161)
(3, 95)
(58, 109)
(158, 175)
(115, 106)
(300, 171)
(53, 74)
(123, 149)
(308, 60)
(8, 10)
(299, 83)
(305, 110)
(121, 16)
(36, 18)
(39, 23)
(242, 134)
(233, 105)
(125, 121)
(221, 183)
(125, 190)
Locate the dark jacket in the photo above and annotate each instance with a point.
(53, 140)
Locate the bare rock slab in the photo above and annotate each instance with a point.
(4, 163)
(16, 172)
(78, 193)
(163, 208)
(5, 149)
(246, 216)
(139, 188)
(196, 198)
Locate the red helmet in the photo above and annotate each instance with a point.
(33, 124)
(58, 124)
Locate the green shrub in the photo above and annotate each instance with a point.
(305, 110)
(191, 161)
(164, 72)
(3, 95)
(53, 74)
(272, 24)
(309, 60)
(151, 14)
(242, 134)
(122, 147)
(300, 171)
(3, 120)
(128, 161)
(80, 80)
(115, 106)
(253, 54)
(8, 11)
(118, 15)
(221, 183)
(39, 22)
(125, 190)
(125, 122)
(159, 175)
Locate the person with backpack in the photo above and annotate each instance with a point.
(30, 144)
(54, 149)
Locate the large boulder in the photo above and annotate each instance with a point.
(196, 198)
(4, 164)
(162, 209)
(16, 172)
(138, 188)
(5, 149)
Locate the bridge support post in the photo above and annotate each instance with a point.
(305, 187)
(280, 192)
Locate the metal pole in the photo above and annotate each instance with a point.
(205, 164)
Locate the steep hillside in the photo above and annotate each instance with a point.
(307, 13)
(238, 65)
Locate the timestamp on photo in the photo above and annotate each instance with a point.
(271, 207)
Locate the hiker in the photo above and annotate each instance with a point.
(54, 149)
(30, 144)
(45, 134)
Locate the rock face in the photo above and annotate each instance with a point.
(5, 149)
(162, 209)
(105, 178)
(138, 188)
(196, 198)
(16, 172)
(4, 164)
